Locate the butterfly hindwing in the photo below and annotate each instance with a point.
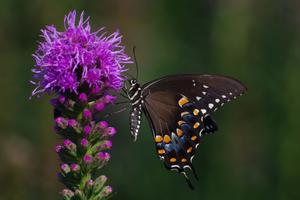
(176, 127)
(210, 126)
(179, 108)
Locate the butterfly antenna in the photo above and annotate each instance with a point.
(136, 63)
(188, 181)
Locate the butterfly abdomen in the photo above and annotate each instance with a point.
(136, 100)
(135, 120)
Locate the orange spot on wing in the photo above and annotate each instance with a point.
(179, 132)
(196, 125)
(158, 138)
(183, 101)
(172, 160)
(189, 150)
(196, 111)
(193, 138)
(183, 160)
(161, 151)
(167, 139)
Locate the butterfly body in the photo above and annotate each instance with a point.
(178, 109)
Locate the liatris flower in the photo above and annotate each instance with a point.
(81, 68)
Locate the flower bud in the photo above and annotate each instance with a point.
(106, 144)
(87, 114)
(90, 183)
(69, 145)
(96, 90)
(70, 104)
(99, 106)
(107, 190)
(87, 130)
(84, 142)
(103, 156)
(88, 158)
(99, 182)
(65, 168)
(72, 122)
(83, 98)
(61, 122)
(75, 167)
(58, 148)
(61, 99)
(110, 131)
(109, 99)
(67, 194)
(79, 194)
(102, 124)
(54, 102)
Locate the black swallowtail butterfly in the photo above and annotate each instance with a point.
(178, 109)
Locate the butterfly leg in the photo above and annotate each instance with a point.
(118, 111)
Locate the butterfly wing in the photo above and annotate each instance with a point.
(178, 109)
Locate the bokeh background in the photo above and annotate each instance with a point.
(254, 155)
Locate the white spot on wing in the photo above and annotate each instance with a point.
(203, 111)
(204, 93)
(187, 166)
(191, 159)
(223, 96)
(210, 105)
(217, 100)
(198, 98)
(205, 86)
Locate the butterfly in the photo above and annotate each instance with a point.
(179, 109)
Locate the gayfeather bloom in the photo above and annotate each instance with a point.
(81, 68)
(66, 60)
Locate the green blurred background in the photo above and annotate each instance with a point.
(254, 155)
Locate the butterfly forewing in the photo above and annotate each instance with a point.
(177, 108)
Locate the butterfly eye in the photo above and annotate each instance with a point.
(132, 81)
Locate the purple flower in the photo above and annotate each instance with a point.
(109, 99)
(61, 122)
(54, 102)
(66, 60)
(65, 168)
(96, 90)
(58, 148)
(66, 193)
(87, 129)
(69, 145)
(103, 156)
(87, 114)
(61, 99)
(74, 167)
(82, 68)
(83, 97)
(106, 191)
(103, 124)
(72, 122)
(88, 158)
(84, 142)
(110, 131)
(90, 183)
(107, 144)
(99, 106)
